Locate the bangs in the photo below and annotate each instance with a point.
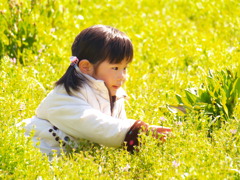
(119, 49)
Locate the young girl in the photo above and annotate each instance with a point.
(87, 102)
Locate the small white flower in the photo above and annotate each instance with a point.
(80, 17)
(163, 118)
(126, 168)
(175, 163)
(179, 123)
(13, 60)
(52, 30)
(233, 131)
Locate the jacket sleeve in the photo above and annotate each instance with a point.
(78, 119)
(132, 135)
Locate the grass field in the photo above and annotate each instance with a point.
(176, 43)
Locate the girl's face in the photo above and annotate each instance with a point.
(114, 75)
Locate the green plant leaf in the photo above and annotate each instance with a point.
(192, 98)
(179, 98)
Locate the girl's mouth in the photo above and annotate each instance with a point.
(116, 87)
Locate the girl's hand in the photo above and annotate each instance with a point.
(160, 132)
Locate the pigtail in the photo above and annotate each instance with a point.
(70, 80)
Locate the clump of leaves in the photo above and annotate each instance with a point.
(19, 30)
(217, 97)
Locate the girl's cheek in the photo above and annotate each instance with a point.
(126, 76)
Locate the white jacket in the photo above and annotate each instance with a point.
(84, 115)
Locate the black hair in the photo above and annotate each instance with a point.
(96, 44)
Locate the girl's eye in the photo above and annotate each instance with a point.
(115, 68)
(125, 68)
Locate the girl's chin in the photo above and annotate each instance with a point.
(113, 92)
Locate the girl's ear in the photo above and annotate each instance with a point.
(86, 67)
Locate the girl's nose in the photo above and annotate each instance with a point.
(122, 75)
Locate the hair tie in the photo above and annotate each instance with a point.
(74, 60)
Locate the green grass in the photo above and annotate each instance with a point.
(176, 42)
